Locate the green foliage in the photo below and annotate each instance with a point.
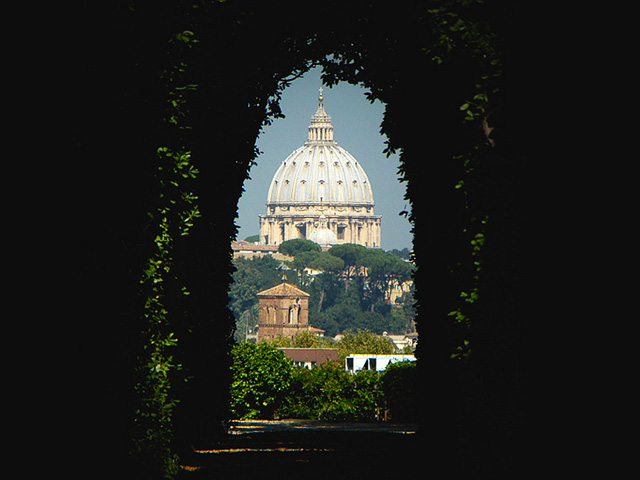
(399, 383)
(252, 238)
(441, 49)
(363, 341)
(315, 260)
(343, 296)
(318, 261)
(266, 385)
(298, 245)
(246, 323)
(159, 376)
(352, 255)
(251, 276)
(261, 379)
(330, 393)
(384, 269)
(461, 314)
(404, 254)
(302, 339)
(344, 311)
(157, 372)
(325, 290)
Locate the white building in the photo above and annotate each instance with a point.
(322, 193)
(401, 342)
(371, 361)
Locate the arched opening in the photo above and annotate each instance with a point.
(356, 122)
(337, 203)
(363, 307)
(439, 188)
(205, 103)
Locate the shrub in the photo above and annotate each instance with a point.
(261, 380)
(330, 393)
(266, 385)
(398, 384)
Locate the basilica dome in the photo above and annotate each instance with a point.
(320, 171)
(320, 192)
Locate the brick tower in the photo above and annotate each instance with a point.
(284, 310)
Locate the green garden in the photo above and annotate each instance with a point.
(266, 385)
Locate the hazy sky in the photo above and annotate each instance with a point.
(356, 128)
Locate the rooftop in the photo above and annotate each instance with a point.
(283, 290)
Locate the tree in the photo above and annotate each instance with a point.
(364, 341)
(303, 339)
(251, 276)
(404, 254)
(255, 239)
(352, 255)
(261, 379)
(322, 261)
(326, 262)
(246, 323)
(343, 314)
(326, 288)
(316, 260)
(383, 270)
(399, 381)
(297, 245)
(404, 311)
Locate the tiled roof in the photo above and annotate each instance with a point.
(319, 355)
(283, 290)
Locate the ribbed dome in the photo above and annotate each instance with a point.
(320, 171)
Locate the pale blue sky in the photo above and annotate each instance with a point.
(356, 127)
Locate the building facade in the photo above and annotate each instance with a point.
(370, 361)
(321, 192)
(283, 310)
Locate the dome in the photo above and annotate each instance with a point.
(322, 235)
(322, 193)
(320, 171)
